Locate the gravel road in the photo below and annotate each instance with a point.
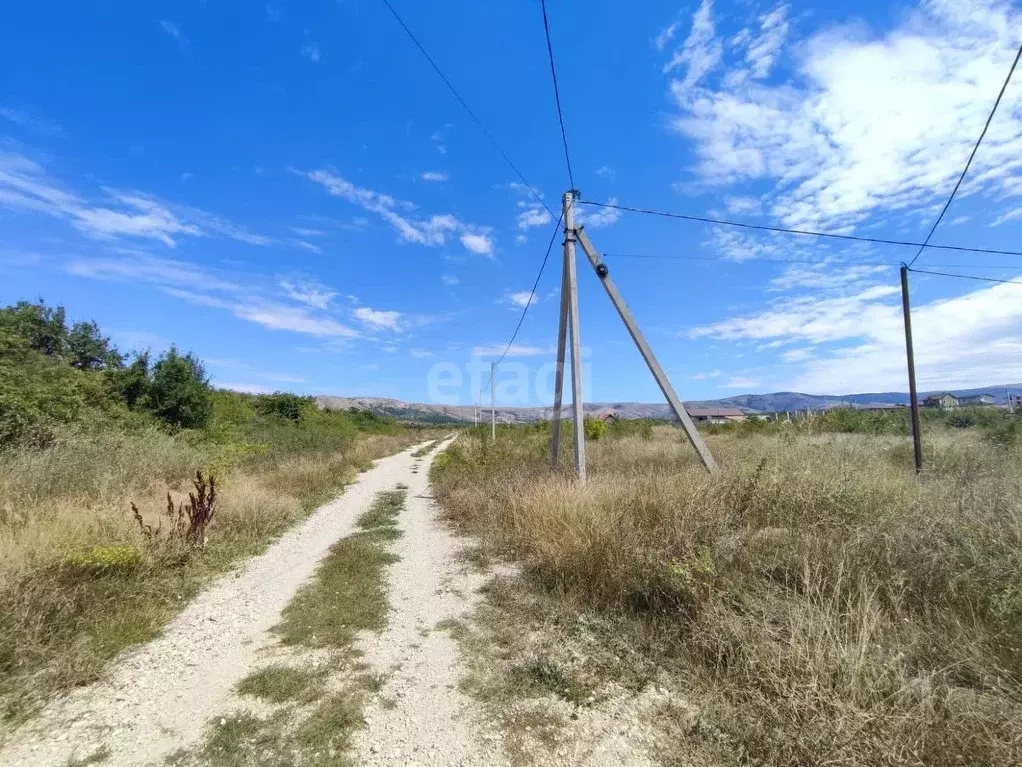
(157, 698)
(427, 720)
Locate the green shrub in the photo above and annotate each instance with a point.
(594, 428)
(107, 559)
(290, 407)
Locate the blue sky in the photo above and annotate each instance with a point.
(292, 193)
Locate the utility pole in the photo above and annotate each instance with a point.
(574, 336)
(917, 444)
(493, 401)
(562, 339)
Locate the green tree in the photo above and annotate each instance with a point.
(179, 391)
(132, 382)
(88, 349)
(594, 428)
(43, 327)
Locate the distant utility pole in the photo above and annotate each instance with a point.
(493, 401)
(569, 315)
(917, 443)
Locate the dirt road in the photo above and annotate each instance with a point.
(158, 698)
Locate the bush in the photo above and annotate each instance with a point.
(594, 428)
(290, 407)
(179, 392)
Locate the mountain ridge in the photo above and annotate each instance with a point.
(749, 403)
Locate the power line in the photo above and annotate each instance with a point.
(965, 276)
(965, 170)
(557, 94)
(466, 107)
(815, 262)
(805, 232)
(532, 296)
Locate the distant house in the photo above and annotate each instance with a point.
(944, 400)
(977, 400)
(607, 417)
(716, 414)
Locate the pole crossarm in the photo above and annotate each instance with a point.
(603, 272)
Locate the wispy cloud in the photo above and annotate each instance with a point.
(432, 231)
(515, 350)
(31, 120)
(173, 29)
(594, 218)
(377, 319)
(701, 50)
(312, 52)
(665, 36)
(309, 292)
(25, 186)
(742, 383)
(435, 176)
(449, 279)
(521, 299)
(258, 302)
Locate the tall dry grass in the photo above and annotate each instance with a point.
(79, 583)
(823, 604)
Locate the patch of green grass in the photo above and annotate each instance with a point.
(348, 593)
(329, 728)
(280, 684)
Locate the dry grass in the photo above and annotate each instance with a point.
(823, 605)
(78, 583)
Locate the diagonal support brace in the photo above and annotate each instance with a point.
(647, 353)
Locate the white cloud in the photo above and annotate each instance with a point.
(311, 51)
(308, 292)
(515, 350)
(431, 232)
(701, 51)
(25, 186)
(763, 50)
(857, 341)
(305, 245)
(815, 138)
(174, 31)
(245, 299)
(533, 215)
(431, 175)
(376, 319)
(737, 206)
(597, 217)
(477, 243)
(704, 376)
(32, 120)
(521, 239)
(302, 231)
(665, 36)
(421, 354)
(449, 279)
(521, 299)
(797, 355)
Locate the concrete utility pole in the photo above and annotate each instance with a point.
(562, 340)
(647, 353)
(574, 336)
(917, 443)
(493, 401)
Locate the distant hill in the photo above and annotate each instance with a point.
(750, 403)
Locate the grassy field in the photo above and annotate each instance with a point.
(83, 435)
(817, 603)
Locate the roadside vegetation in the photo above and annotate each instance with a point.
(816, 603)
(85, 432)
(317, 705)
